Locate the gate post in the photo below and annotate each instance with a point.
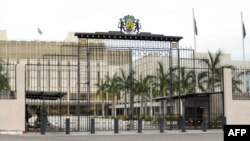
(20, 98)
(227, 92)
(140, 125)
(43, 124)
(67, 126)
(204, 124)
(92, 126)
(161, 124)
(116, 125)
(183, 124)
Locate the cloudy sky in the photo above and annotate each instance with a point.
(218, 21)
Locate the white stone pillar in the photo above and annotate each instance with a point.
(227, 78)
(20, 81)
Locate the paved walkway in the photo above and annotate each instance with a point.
(192, 135)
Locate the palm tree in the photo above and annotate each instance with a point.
(101, 91)
(113, 88)
(187, 81)
(236, 81)
(4, 80)
(142, 89)
(212, 77)
(126, 82)
(162, 81)
(202, 81)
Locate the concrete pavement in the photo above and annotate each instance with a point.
(192, 135)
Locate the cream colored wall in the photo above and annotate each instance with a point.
(13, 110)
(236, 111)
(3, 35)
(12, 115)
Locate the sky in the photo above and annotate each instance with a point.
(218, 21)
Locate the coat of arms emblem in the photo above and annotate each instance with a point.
(129, 24)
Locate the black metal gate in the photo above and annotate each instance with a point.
(111, 76)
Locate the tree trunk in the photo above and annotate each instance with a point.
(113, 105)
(146, 107)
(125, 104)
(103, 109)
(151, 102)
(95, 105)
(141, 106)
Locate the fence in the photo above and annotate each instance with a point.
(241, 83)
(127, 78)
(8, 81)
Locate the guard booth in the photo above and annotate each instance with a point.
(195, 106)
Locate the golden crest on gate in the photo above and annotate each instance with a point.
(129, 24)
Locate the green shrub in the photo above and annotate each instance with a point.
(174, 117)
(135, 117)
(122, 117)
(148, 118)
